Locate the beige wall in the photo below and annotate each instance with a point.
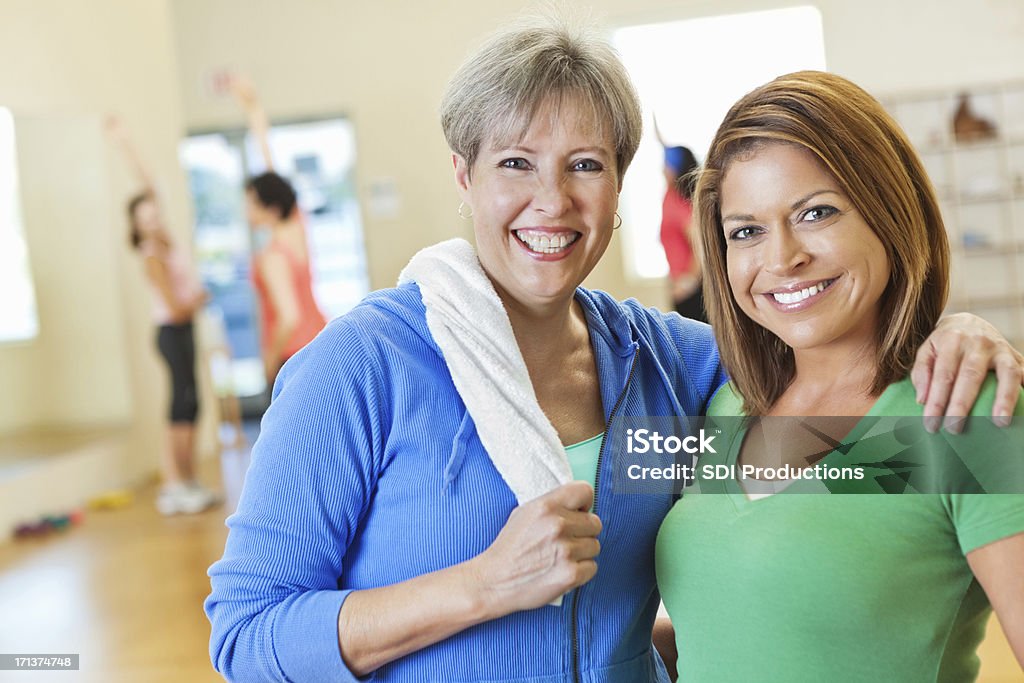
(67, 63)
(385, 64)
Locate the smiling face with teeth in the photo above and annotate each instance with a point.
(801, 261)
(543, 205)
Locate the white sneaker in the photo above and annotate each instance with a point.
(185, 499)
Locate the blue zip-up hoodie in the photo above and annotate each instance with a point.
(368, 471)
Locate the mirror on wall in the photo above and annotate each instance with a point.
(65, 277)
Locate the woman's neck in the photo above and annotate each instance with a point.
(284, 228)
(547, 334)
(831, 381)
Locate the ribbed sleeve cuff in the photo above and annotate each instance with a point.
(306, 638)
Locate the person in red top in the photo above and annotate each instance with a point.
(676, 217)
(281, 271)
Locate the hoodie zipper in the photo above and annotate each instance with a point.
(597, 481)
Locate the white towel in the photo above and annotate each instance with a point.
(472, 329)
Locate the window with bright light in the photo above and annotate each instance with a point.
(688, 74)
(18, 320)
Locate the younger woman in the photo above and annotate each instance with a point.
(177, 297)
(826, 264)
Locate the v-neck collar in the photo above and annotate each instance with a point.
(740, 498)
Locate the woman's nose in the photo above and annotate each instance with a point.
(552, 196)
(786, 252)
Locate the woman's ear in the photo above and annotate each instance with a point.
(462, 180)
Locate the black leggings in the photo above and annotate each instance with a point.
(178, 348)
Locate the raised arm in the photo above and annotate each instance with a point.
(657, 131)
(259, 124)
(952, 365)
(118, 134)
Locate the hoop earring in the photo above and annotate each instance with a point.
(619, 224)
(462, 205)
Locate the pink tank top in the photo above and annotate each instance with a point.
(184, 287)
(311, 320)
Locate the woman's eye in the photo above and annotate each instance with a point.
(587, 165)
(819, 213)
(516, 163)
(745, 233)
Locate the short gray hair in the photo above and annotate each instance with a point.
(496, 93)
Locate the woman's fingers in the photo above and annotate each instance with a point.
(547, 548)
(584, 549)
(921, 373)
(970, 375)
(951, 367)
(576, 495)
(1010, 373)
(585, 571)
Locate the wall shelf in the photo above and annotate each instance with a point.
(980, 185)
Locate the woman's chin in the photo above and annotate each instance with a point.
(541, 292)
(821, 340)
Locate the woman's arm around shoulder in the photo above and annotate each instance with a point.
(953, 363)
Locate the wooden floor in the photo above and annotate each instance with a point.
(125, 591)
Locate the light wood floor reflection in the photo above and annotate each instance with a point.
(125, 591)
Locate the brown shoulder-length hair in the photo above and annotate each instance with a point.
(134, 234)
(877, 168)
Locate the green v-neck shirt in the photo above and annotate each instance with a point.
(811, 587)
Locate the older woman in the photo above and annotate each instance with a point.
(375, 534)
(826, 261)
